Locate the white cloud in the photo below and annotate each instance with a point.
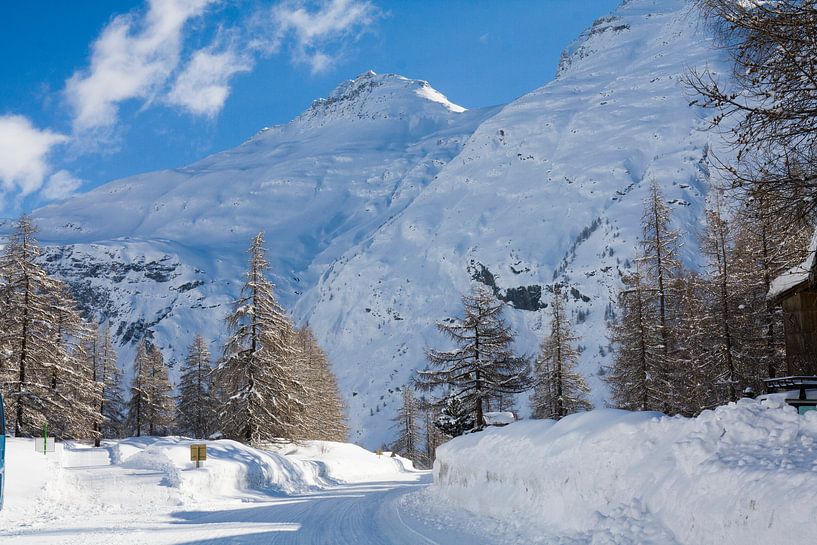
(23, 154)
(61, 185)
(203, 86)
(139, 55)
(133, 58)
(313, 30)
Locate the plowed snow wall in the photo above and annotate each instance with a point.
(741, 474)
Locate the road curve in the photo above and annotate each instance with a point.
(358, 514)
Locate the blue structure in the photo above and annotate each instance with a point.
(2, 451)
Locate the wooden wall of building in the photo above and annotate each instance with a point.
(800, 324)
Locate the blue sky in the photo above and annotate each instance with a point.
(89, 94)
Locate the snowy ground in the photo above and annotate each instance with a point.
(742, 474)
(140, 491)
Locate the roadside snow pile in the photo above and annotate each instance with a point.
(232, 469)
(498, 418)
(741, 474)
(347, 463)
(27, 477)
(144, 475)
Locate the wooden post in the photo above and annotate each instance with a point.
(198, 453)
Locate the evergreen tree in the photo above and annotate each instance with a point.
(558, 389)
(455, 419)
(196, 408)
(73, 377)
(482, 365)
(660, 263)
(323, 414)
(694, 389)
(150, 409)
(722, 290)
(407, 425)
(648, 371)
(265, 402)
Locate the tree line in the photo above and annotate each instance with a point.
(271, 381)
(684, 341)
(689, 341)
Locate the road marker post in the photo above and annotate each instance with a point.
(47, 444)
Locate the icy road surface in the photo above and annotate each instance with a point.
(86, 496)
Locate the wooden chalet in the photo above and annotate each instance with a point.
(796, 292)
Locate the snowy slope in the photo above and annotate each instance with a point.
(548, 190)
(383, 201)
(742, 474)
(163, 252)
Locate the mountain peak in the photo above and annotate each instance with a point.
(380, 96)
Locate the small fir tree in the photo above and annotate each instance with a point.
(455, 419)
(160, 409)
(639, 381)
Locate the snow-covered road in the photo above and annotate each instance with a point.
(351, 514)
(359, 514)
(83, 496)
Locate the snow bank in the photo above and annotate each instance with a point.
(28, 475)
(498, 418)
(347, 463)
(743, 473)
(232, 469)
(141, 476)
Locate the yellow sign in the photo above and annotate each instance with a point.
(198, 453)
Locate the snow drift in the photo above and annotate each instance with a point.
(743, 473)
(347, 463)
(146, 475)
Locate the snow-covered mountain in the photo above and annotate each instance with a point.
(164, 251)
(384, 201)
